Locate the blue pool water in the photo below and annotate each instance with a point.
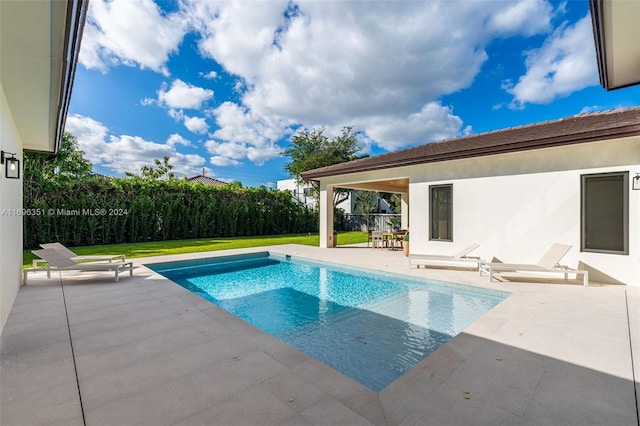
(371, 327)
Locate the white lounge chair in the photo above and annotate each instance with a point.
(548, 263)
(73, 256)
(431, 259)
(57, 261)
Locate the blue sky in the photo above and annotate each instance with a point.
(222, 85)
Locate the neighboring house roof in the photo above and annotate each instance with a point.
(206, 180)
(616, 32)
(566, 131)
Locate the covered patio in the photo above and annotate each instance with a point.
(391, 184)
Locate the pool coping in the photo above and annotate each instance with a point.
(553, 353)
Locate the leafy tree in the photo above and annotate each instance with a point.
(311, 149)
(393, 199)
(365, 202)
(45, 172)
(162, 170)
(68, 161)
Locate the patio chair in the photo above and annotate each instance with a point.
(549, 263)
(431, 259)
(73, 256)
(376, 239)
(57, 261)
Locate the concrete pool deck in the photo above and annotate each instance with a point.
(146, 351)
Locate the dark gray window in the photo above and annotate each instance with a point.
(441, 209)
(605, 213)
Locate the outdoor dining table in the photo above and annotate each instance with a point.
(393, 239)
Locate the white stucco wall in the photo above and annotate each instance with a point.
(516, 205)
(10, 222)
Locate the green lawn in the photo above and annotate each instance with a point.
(160, 248)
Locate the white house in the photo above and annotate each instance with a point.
(515, 192)
(39, 44)
(299, 190)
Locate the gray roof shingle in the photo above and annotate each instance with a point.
(207, 180)
(575, 129)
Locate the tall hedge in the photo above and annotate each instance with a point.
(97, 210)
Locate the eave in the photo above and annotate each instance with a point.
(616, 32)
(39, 47)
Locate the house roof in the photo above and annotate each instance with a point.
(566, 131)
(616, 33)
(206, 180)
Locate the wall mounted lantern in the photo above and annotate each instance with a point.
(11, 165)
(636, 182)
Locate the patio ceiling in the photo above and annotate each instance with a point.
(388, 185)
(39, 43)
(616, 29)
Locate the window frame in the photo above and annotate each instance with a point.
(432, 189)
(583, 222)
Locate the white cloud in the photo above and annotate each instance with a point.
(378, 66)
(176, 139)
(211, 75)
(126, 153)
(196, 125)
(242, 135)
(564, 64)
(183, 95)
(433, 122)
(259, 155)
(227, 150)
(219, 161)
(133, 33)
(528, 17)
(236, 34)
(373, 65)
(237, 123)
(89, 132)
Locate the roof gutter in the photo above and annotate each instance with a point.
(76, 17)
(597, 21)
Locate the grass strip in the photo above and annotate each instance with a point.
(161, 248)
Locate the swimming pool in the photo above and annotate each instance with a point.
(371, 327)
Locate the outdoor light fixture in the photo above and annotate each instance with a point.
(11, 165)
(636, 182)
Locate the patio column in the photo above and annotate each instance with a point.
(326, 215)
(404, 210)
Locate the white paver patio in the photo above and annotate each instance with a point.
(82, 349)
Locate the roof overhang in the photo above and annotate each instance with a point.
(394, 185)
(582, 128)
(39, 46)
(616, 30)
